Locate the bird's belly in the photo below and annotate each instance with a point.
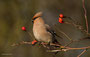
(44, 37)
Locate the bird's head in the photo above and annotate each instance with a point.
(39, 14)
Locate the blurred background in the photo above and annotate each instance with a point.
(17, 13)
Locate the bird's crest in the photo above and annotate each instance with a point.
(39, 14)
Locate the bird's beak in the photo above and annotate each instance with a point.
(32, 21)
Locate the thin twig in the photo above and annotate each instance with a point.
(85, 14)
(68, 48)
(64, 34)
(69, 43)
(77, 48)
(82, 53)
(30, 43)
(23, 42)
(79, 27)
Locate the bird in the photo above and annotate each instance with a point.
(42, 31)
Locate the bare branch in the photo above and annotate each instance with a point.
(85, 14)
(79, 27)
(23, 42)
(82, 53)
(68, 48)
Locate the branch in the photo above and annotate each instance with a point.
(58, 47)
(82, 53)
(79, 27)
(23, 42)
(30, 43)
(68, 48)
(85, 14)
(63, 48)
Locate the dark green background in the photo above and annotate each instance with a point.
(17, 13)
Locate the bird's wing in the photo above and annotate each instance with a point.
(50, 30)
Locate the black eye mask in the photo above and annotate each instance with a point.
(34, 19)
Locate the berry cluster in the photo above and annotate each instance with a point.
(60, 18)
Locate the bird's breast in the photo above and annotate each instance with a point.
(41, 34)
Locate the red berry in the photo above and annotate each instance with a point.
(33, 42)
(61, 16)
(60, 20)
(23, 28)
